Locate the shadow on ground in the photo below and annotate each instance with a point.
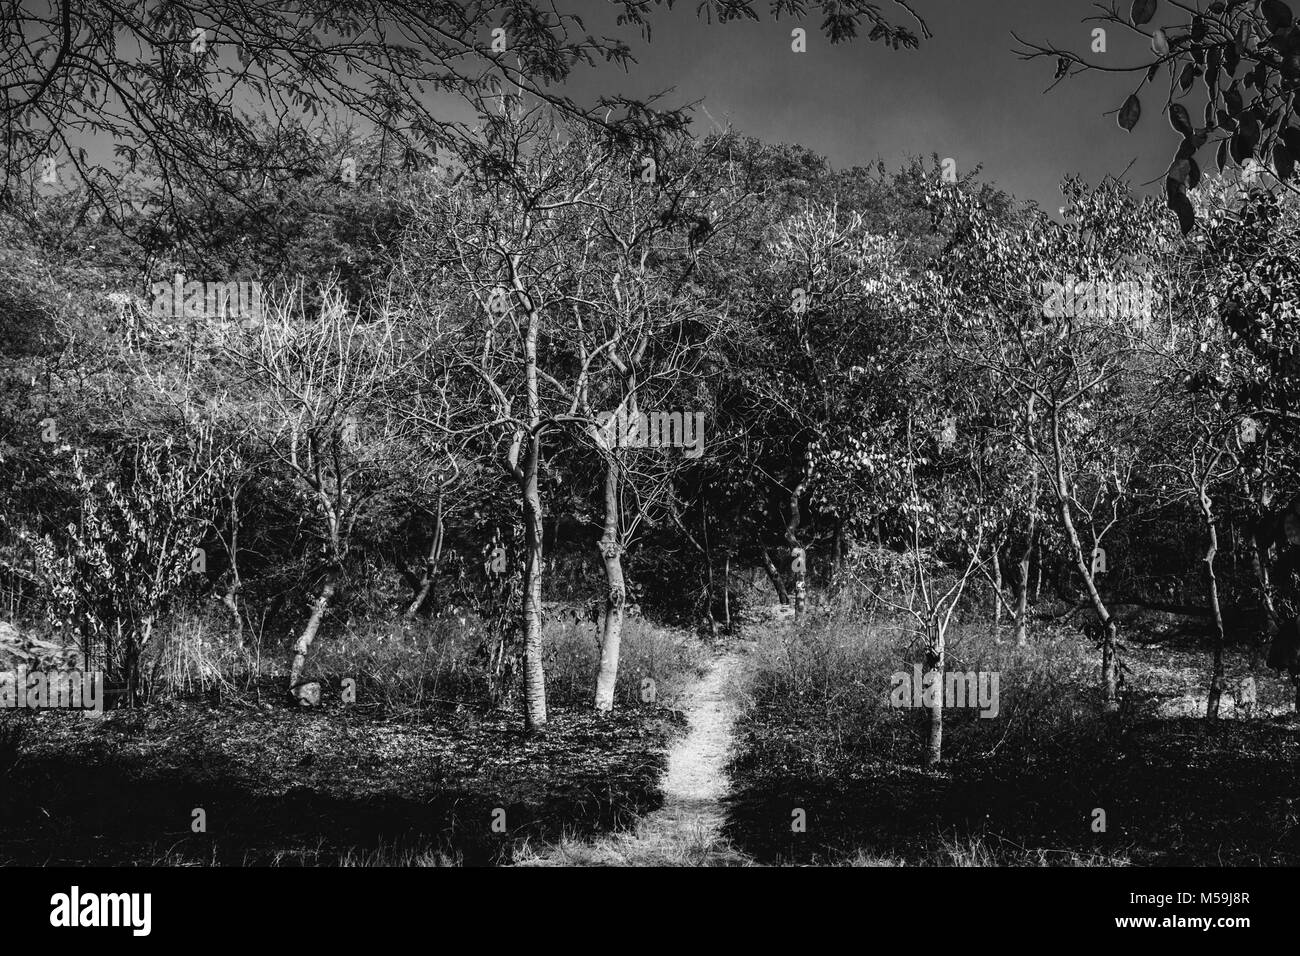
(321, 787)
(1174, 792)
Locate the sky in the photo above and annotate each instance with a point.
(964, 94)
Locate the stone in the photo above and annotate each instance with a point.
(308, 695)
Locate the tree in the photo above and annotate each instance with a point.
(1204, 462)
(323, 382)
(180, 85)
(650, 329)
(497, 240)
(1243, 378)
(119, 569)
(1248, 119)
(1057, 314)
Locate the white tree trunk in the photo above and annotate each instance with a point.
(611, 552)
(534, 675)
(304, 642)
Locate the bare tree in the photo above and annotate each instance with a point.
(650, 332)
(945, 519)
(322, 372)
(500, 240)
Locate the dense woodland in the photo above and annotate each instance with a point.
(504, 420)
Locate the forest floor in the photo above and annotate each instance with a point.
(688, 829)
(413, 769)
(327, 787)
(1049, 782)
(782, 723)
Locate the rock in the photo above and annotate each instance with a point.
(308, 695)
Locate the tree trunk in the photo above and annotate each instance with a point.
(798, 555)
(934, 665)
(708, 563)
(997, 594)
(777, 583)
(231, 598)
(1259, 563)
(1109, 668)
(611, 552)
(1109, 671)
(531, 498)
(1212, 587)
(726, 590)
(1031, 529)
(430, 569)
(502, 640)
(534, 676)
(231, 601)
(1022, 599)
(133, 646)
(1038, 574)
(131, 670)
(303, 644)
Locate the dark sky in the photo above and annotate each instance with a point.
(963, 94)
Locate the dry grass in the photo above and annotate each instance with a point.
(1018, 789)
(650, 843)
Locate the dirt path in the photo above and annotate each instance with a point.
(687, 830)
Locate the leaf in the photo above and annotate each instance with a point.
(1291, 136)
(1160, 43)
(1142, 12)
(1222, 157)
(1187, 78)
(1283, 161)
(1190, 144)
(1277, 13)
(1185, 172)
(1179, 119)
(1130, 113)
(1245, 140)
(1213, 60)
(1240, 150)
(1232, 100)
(1177, 200)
